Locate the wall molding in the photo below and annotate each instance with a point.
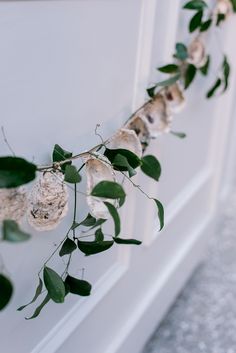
(188, 249)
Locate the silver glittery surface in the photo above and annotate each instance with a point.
(203, 318)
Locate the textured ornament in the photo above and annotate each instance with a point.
(197, 52)
(223, 7)
(139, 126)
(48, 202)
(174, 98)
(98, 169)
(128, 140)
(156, 115)
(13, 203)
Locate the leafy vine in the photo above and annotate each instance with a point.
(46, 204)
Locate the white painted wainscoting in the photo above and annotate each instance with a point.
(64, 67)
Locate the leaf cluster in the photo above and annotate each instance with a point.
(222, 81)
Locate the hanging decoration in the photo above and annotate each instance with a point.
(46, 204)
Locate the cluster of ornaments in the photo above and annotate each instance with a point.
(47, 202)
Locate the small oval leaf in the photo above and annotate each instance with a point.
(54, 285)
(109, 190)
(6, 290)
(59, 155)
(15, 171)
(132, 159)
(181, 51)
(127, 241)
(169, 81)
(168, 69)
(78, 286)
(67, 247)
(151, 167)
(190, 74)
(181, 135)
(115, 215)
(160, 210)
(151, 91)
(99, 236)
(12, 232)
(196, 21)
(214, 88)
(94, 247)
(121, 163)
(195, 5)
(72, 176)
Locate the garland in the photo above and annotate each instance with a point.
(47, 202)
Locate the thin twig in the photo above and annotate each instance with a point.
(97, 134)
(56, 165)
(65, 272)
(58, 246)
(73, 230)
(136, 186)
(75, 209)
(6, 141)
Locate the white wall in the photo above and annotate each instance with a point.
(64, 67)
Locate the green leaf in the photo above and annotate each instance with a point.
(109, 190)
(214, 88)
(115, 215)
(37, 294)
(78, 286)
(54, 285)
(132, 159)
(15, 171)
(204, 69)
(127, 241)
(195, 21)
(98, 223)
(151, 91)
(181, 135)
(189, 75)
(121, 163)
(169, 82)
(12, 232)
(99, 236)
(181, 51)
(6, 290)
(160, 210)
(234, 4)
(67, 247)
(151, 167)
(169, 69)
(71, 174)
(87, 222)
(205, 25)
(195, 5)
(39, 308)
(59, 155)
(94, 247)
(220, 18)
(226, 73)
(121, 201)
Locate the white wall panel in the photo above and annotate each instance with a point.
(66, 66)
